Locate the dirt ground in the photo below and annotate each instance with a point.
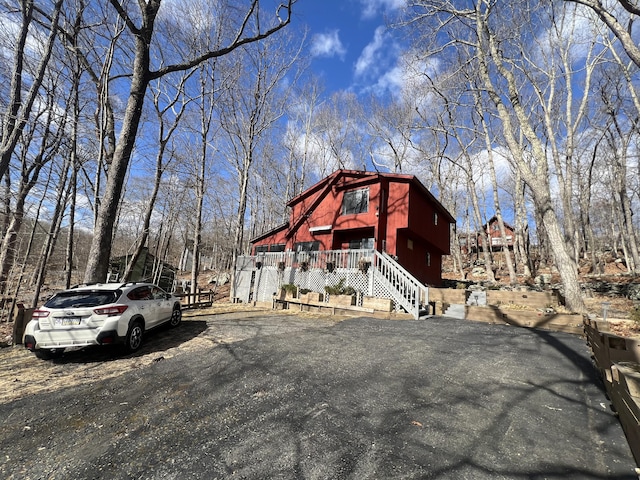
(24, 374)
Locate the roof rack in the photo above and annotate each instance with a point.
(84, 285)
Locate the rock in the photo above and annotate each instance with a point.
(613, 289)
(478, 271)
(221, 279)
(543, 279)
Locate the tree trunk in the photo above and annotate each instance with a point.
(496, 201)
(100, 251)
(197, 230)
(238, 237)
(538, 182)
(68, 265)
(483, 231)
(49, 244)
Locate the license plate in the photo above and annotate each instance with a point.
(67, 321)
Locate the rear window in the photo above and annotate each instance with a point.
(85, 298)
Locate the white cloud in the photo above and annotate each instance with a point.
(369, 57)
(383, 66)
(393, 80)
(327, 45)
(370, 8)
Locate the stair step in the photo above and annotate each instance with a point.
(455, 311)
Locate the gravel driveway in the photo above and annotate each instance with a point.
(263, 395)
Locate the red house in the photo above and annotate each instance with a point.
(392, 213)
(492, 228)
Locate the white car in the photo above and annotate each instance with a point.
(100, 314)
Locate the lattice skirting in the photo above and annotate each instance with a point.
(261, 284)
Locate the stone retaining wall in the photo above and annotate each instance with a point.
(496, 297)
(527, 299)
(557, 322)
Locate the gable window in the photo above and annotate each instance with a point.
(435, 219)
(355, 201)
(428, 259)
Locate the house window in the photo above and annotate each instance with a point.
(307, 246)
(428, 259)
(363, 243)
(435, 218)
(410, 244)
(355, 201)
(261, 249)
(278, 247)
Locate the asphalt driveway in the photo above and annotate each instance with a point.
(275, 396)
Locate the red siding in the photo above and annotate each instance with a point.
(422, 221)
(399, 210)
(412, 254)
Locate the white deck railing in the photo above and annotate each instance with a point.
(381, 269)
(327, 259)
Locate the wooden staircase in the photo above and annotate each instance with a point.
(405, 289)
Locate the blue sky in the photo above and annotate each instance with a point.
(350, 45)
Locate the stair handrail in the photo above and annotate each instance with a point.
(402, 285)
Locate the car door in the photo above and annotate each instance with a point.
(163, 304)
(142, 299)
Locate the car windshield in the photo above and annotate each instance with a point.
(85, 298)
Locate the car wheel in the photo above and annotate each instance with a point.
(176, 317)
(133, 340)
(49, 353)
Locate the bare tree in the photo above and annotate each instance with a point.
(460, 138)
(619, 145)
(20, 108)
(208, 126)
(248, 114)
(391, 128)
(486, 132)
(616, 89)
(301, 138)
(164, 106)
(32, 165)
(141, 27)
(609, 14)
(502, 63)
(521, 245)
(338, 136)
(490, 54)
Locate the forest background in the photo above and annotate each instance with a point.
(184, 126)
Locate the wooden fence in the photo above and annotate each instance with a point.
(618, 359)
(196, 300)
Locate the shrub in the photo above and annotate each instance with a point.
(302, 291)
(339, 289)
(289, 288)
